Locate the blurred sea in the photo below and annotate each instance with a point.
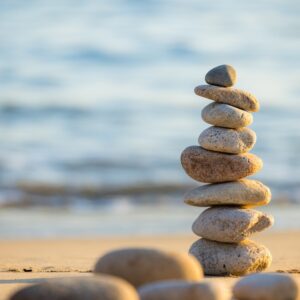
(97, 103)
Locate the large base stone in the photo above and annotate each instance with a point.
(231, 259)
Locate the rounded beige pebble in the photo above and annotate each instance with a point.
(95, 288)
(142, 265)
(234, 141)
(229, 224)
(245, 192)
(211, 167)
(180, 289)
(231, 259)
(225, 115)
(266, 286)
(223, 75)
(231, 96)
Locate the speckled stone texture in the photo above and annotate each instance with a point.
(231, 96)
(181, 289)
(225, 115)
(210, 167)
(223, 75)
(230, 224)
(267, 286)
(244, 192)
(231, 259)
(95, 288)
(234, 141)
(142, 265)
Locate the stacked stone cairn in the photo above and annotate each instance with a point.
(223, 161)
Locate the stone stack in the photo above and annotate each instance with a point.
(222, 160)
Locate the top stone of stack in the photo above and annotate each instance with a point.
(224, 75)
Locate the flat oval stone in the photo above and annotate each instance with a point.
(210, 167)
(234, 141)
(92, 288)
(142, 265)
(231, 259)
(231, 96)
(245, 192)
(181, 289)
(225, 115)
(223, 75)
(229, 224)
(266, 286)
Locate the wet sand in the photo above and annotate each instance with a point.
(24, 262)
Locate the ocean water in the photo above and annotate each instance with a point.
(97, 103)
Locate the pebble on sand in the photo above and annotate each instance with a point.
(181, 289)
(230, 224)
(212, 167)
(95, 288)
(234, 141)
(142, 265)
(266, 286)
(231, 259)
(231, 96)
(244, 192)
(223, 75)
(224, 115)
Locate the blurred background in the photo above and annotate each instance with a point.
(97, 103)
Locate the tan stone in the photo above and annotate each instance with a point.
(96, 288)
(181, 290)
(230, 224)
(234, 141)
(231, 259)
(245, 192)
(231, 96)
(267, 286)
(225, 115)
(210, 167)
(142, 265)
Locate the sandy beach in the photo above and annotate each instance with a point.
(24, 262)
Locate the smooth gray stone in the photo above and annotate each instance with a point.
(230, 224)
(244, 192)
(231, 259)
(143, 265)
(225, 140)
(224, 115)
(267, 286)
(223, 75)
(231, 96)
(92, 288)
